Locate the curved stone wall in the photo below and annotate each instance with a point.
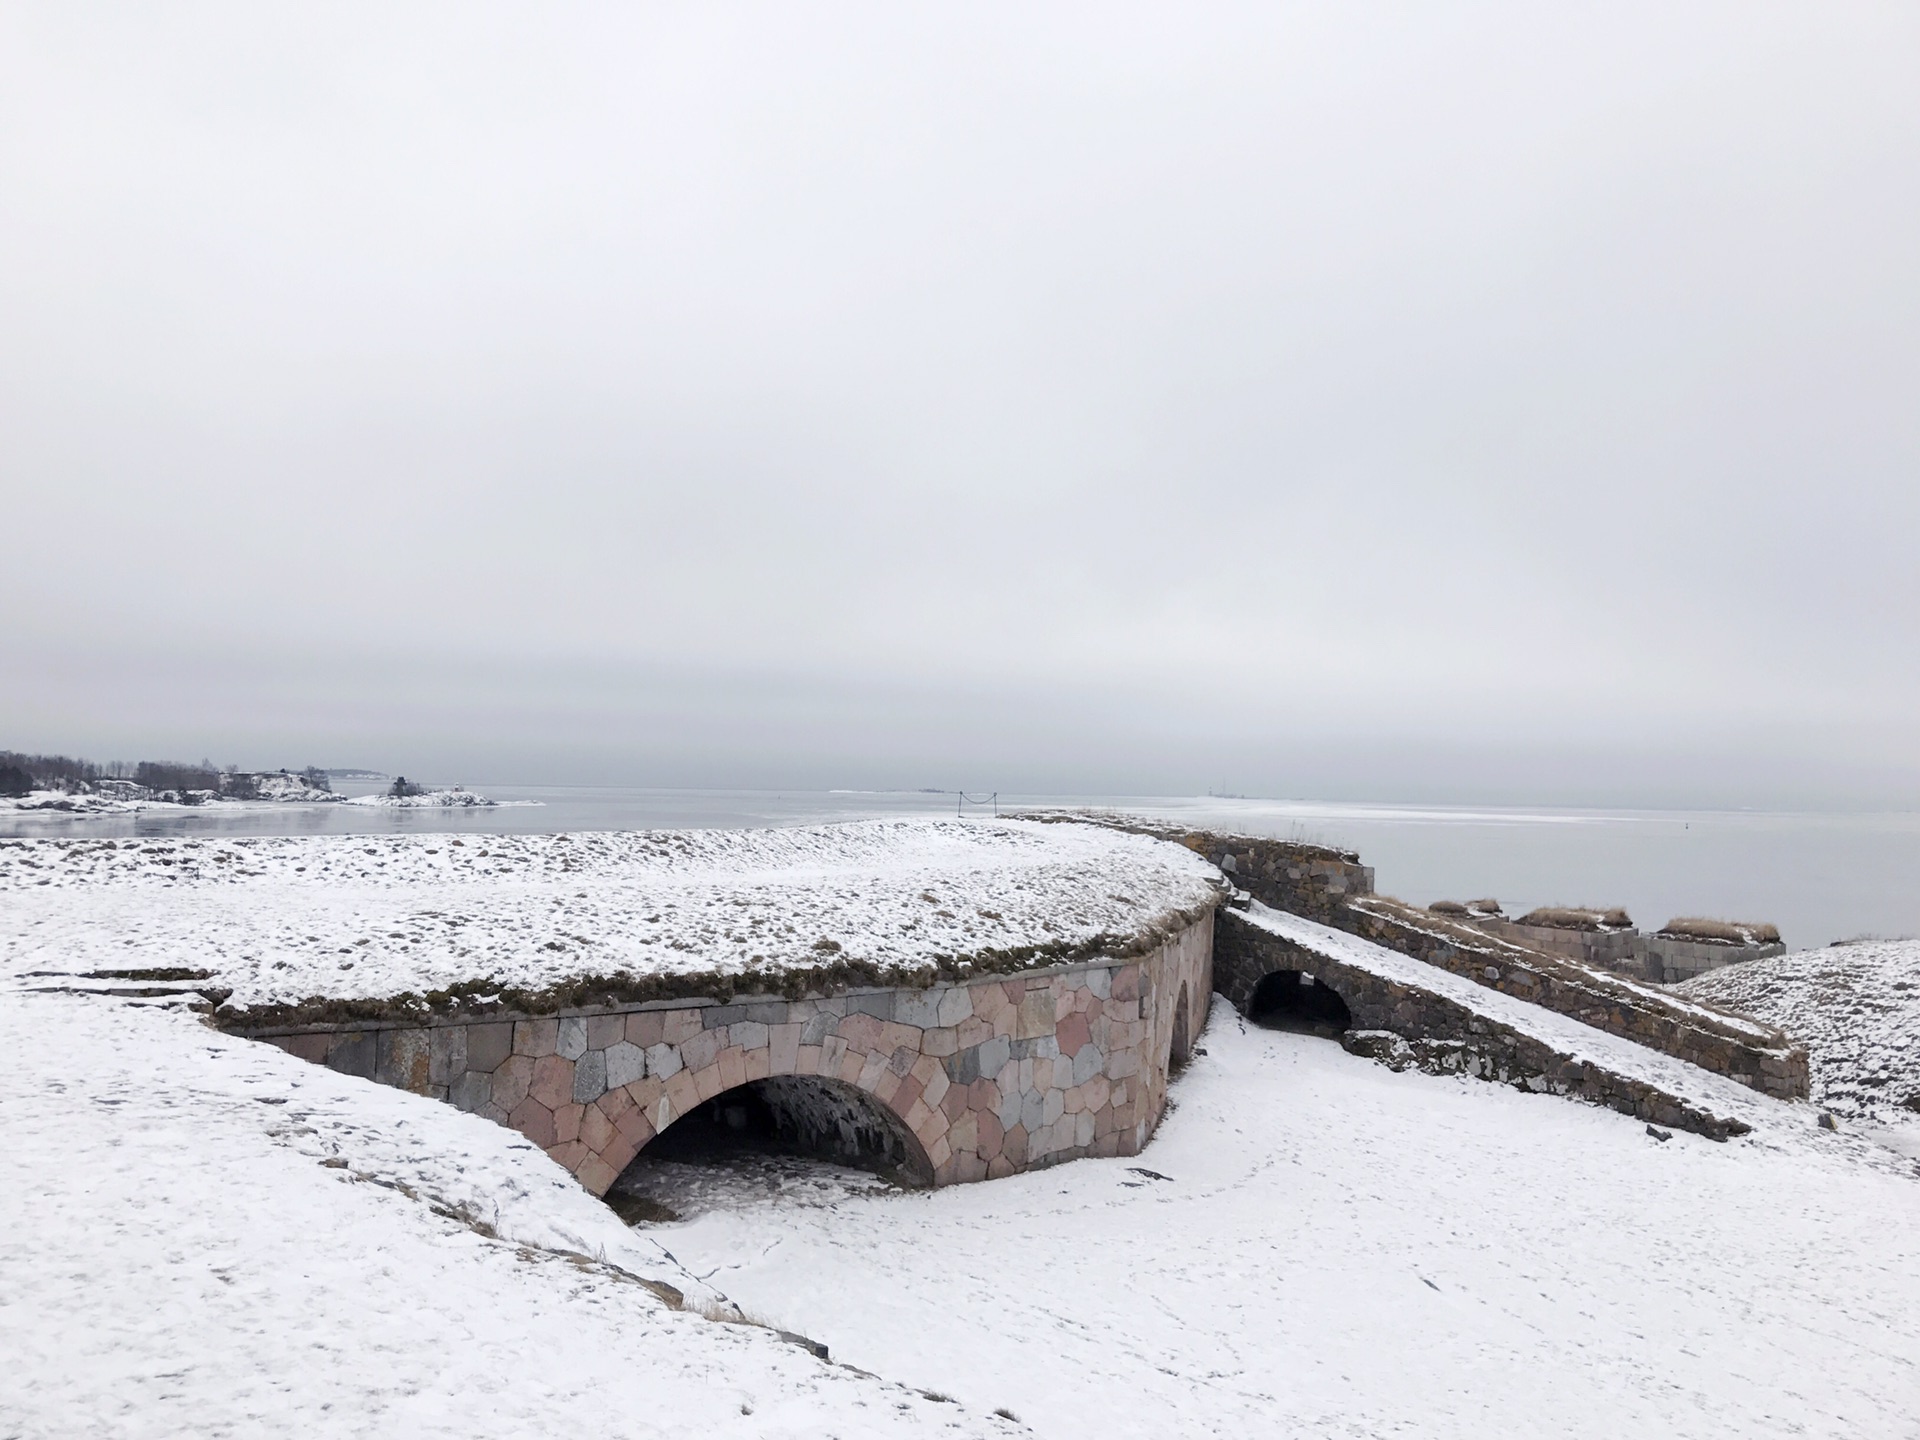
(989, 1077)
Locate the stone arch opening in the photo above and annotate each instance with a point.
(1181, 1050)
(750, 1129)
(1295, 1000)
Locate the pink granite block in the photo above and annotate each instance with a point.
(807, 1060)
(783, 1047)
(535, 1121)
(535, 1038)
(872, 1067)
(861, 1032)
(569, 1154)
(1107, 1145)
(925, 1067)
(983, 1094)
(552, 1083)
(853, 1064)
(895, 1036)
(1015, 991)
(888, 1085)
(940, 1152)
(1126, 983)
(833, 1052)
(953, 1104)
(644, 1028)
(620, 1153)
(973, 1031)
(999, 1167)
(906, 1094)
(677, 1027)
(596, 1126)
(733, 1067)
(963, 1134)
(989, 1133)
(1072, 1034)
(1014, 1146)
(922, 1117)
(968, 1167)
(566, 1122)
(605, 1030)
(634, 1128)
(644, 1092)
(941, 1042)
(1075, 1100)
(511, 1080)
(706, 1083)
(1041, 1077)
(1098, 1091)
(597, 1175)
(760, 1063)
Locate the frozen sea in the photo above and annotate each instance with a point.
(1819, 876)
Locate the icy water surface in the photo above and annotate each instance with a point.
(1818, 876)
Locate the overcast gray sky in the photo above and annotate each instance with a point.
(1359, 400)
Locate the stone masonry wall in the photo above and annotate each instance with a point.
(1404, 1024)
(1756, 1055)
(988, 1077)
(1331, 886)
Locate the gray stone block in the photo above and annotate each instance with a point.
(1087, 1064)
(994, 1055)
(664, 1060)
(1033, 1111)
(572, 1041)
(352, 1054)
(589, 1077)
(714, 1016)
(471, 1091)
(488, 1045)
(879, 1004)
(447, 1050)
(920, 1008)
(963, 1068)
(818, 1027)
(625, 1064)
(748, 1035)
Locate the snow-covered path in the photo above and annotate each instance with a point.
(179, 1258)
(1340, 1250)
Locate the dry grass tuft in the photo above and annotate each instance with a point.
(1577, 917)
(1720, 932)
(1447, 907)
(1487, 906)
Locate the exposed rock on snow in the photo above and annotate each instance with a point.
(355, 920)
(1856, 1006)
(449, 799)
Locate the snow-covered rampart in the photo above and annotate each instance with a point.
(314, 927)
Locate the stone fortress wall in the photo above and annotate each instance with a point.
(1333, 887)
(961, 1082)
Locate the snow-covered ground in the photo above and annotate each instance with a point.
(282, 920)
(203, 1236)
(1857, 1007)
(1313, 1245)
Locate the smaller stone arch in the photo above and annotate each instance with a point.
(1298, 1000)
